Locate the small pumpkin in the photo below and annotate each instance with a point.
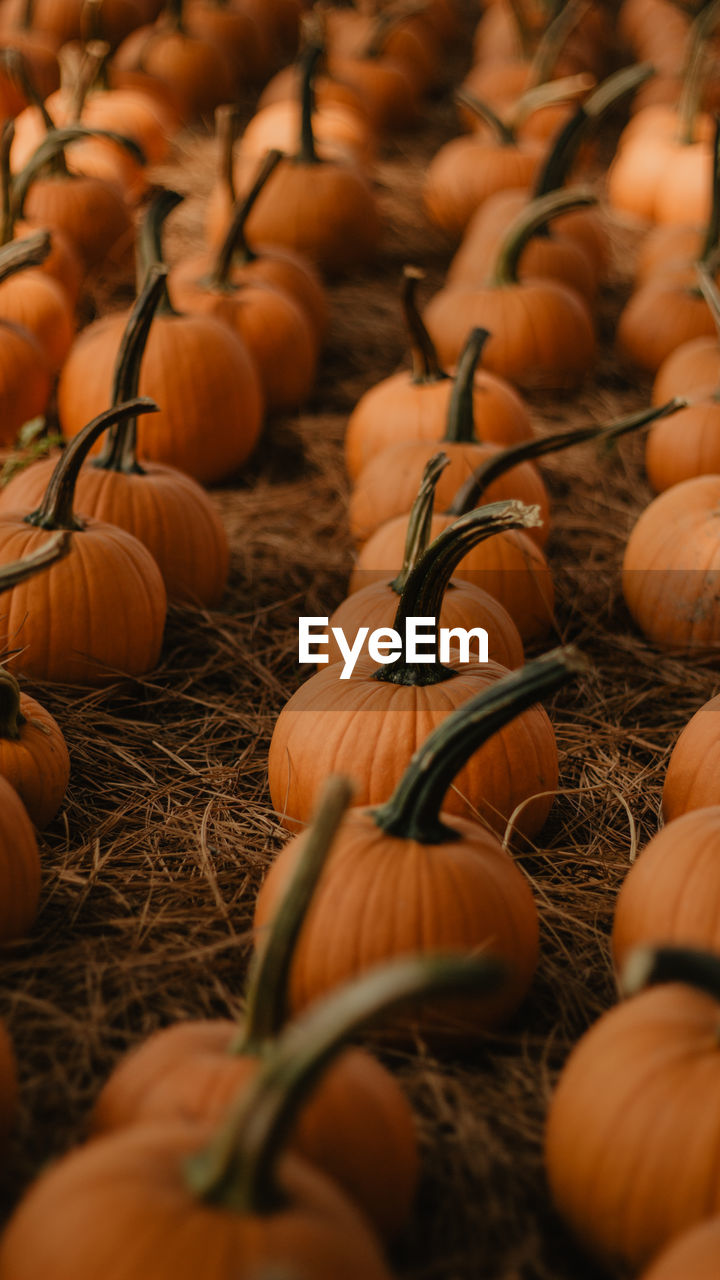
(241, 1207)
(19, 866)
(193, 66)
(632, 1184)
(694, 1253)
(195, 1070)
(541, 330)
(168, 511)
(8, 1083)
(119, 602)
(692, 778)
(33, 756)
(25, 376)
(194, 366)
(414, 405)
(409, 874)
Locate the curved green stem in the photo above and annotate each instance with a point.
(651, 966)
(426, 367)
(535, 215)
(413, 810)
(554, 38)
(554, 172)
(238, 1169)
(31, 251)
(308, 66)
(426, 584)
(56, 509)
(266, 996)
(420, 519)
(460, 423)
(7, 138)
(19, 570)
(53, 147)
(694, 77)
(235, 242)
(549, 94)
(11, 717)
(712, 230)
(119, 453)
(503, 133)
(471, 492)
(150, 243)
(227, 126)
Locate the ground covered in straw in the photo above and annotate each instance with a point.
(152, 869)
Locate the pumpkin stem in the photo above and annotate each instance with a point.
(471, 492)
(18, 570)
(546, 95)
(503, 133)
(150, 245)
(696, 65)
(535, 215)
(11, 717)
(235, 242)
(56, 509)
(28, 252)
(237, 1170)
(8, 222)
(554, 172)
(651, 966)
(460, 425)
(710, 292)
(17, 66)
(554, 38)
(420, 519)
(427, 582)
(85, 73)
(413, 810)
(426, 367)
(227, 125)
(119, 452)
(266, 996)
(712, 230)
(308, 66)
(51, 151)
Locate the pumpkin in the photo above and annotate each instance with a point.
(632, 1183)
(193, 66)
(369, 722)
(326, 210)
(194, 1070)
(168, 511)
(25, 378)
(694, 1253)
(387, 484)
(277, 331)
(541, 330)
(272, 264)
(19, 866)
(670, 566)
(459, 888)
(194, 366)
(672, 891)
(119, 603)
(462, 604)
(239, 1205)
(690, 781)
(414, 405)
(8, 1083)
(33, 756)
(88, 211)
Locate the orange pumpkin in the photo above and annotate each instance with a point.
(194, 1070)
(694, 1253)
(25, 377)
(193, 66)
(459, 889)
(541, 330)
(168, 511)
(194, 366)
(414, 405)
(119, 601)
(19, 866)
(626, 1182)
(8, 1083)
(33, 756)
(690, 781)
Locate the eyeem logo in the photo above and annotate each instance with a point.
(423, 642)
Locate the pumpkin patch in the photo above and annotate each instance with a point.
(314, 265)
